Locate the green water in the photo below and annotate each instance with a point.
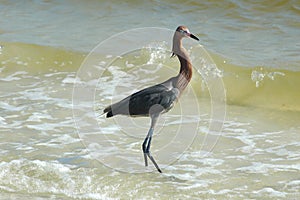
(44, 153)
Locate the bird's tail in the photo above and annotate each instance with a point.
(108, 112)
(103, 113)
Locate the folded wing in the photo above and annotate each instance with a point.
(155, 99)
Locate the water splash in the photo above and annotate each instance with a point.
(158, 52)
(259, 76)
(209, 69)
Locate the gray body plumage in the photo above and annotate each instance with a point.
(159, 98)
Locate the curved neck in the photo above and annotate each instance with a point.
(185, 74)
(186, 68)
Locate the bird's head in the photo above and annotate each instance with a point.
(183, 31)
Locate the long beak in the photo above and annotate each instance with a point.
(194, 37)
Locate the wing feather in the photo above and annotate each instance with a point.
(157, 99)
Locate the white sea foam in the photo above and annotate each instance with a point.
(51, 178)
(264, 168)
(267, 191)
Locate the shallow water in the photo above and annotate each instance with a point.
(44, 153)
(248, 33)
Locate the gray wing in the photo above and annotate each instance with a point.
(155, 99)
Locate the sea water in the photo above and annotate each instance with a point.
(44, 153)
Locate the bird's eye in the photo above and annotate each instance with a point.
(183, 32)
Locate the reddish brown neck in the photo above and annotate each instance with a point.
(185, 73)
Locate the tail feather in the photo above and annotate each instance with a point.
(119, 108)
(108, 111)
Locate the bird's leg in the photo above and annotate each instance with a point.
(147, 143)
(151, 157)
(144, 147)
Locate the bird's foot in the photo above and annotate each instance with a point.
(146, 151)
(153, 161)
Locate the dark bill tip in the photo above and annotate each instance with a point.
(194, 37)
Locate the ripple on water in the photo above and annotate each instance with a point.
(265, 168)
(36, 176)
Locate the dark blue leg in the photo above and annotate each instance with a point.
(147, 143)
(144, 147)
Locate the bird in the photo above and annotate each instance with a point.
(158, 99)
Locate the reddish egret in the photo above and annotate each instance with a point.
(158, 99)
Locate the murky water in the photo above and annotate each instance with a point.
(45, 155)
